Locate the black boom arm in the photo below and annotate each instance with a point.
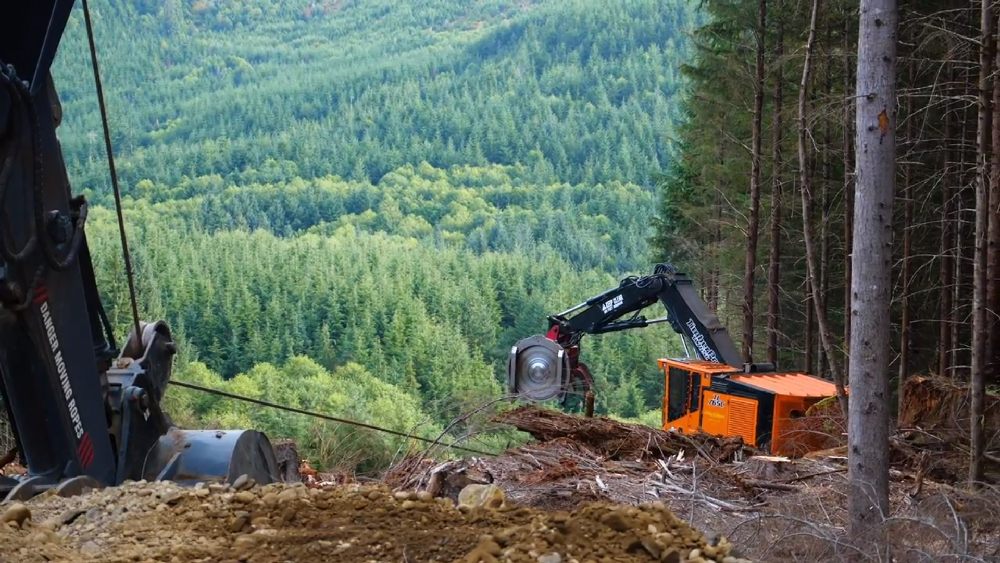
(84, 413)
(687, 314)
(54, 340)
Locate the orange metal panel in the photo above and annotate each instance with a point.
(715, 414)
(743, 419)
(795, 435)
(696, 365)
(792, 384)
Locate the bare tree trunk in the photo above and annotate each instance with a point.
(811, 268)
(868, 423)
(753, 227)
(958, 260)
(810, 310)
(774, 267)
(993, 245)
(713, 300)
(980, 329)
(905, 337)
(848, 150)
(824, 198)
(714, 296)
(947, 233)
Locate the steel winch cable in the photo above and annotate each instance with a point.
(263, 403)
(114, 174)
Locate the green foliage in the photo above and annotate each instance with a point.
(357, 207)
(386, 314)
(494, 208)
(652, 418)
(350, 391)
(266, 90)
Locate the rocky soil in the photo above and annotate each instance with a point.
(143, 522)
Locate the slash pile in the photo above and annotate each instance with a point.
(162, 522)
(619, 440)
(575, 460)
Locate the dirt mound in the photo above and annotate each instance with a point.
(619, 440)
(276, 523)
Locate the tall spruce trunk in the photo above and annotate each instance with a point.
(824, 198)
(905, 322)
(993, 244)
(811, 266)
(848, 154)
(868, 422)
(980, 328)
(774, 265)
(947, 229)
(754, 226)
(714, 278)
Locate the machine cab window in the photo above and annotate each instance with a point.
(683, 392)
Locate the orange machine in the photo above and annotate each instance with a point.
(717, 392)
(759, 407)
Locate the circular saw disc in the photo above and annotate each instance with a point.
(537, 369)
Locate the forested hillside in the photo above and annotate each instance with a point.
(357, 207)
(265, 90)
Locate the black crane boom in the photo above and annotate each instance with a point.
(544, 367)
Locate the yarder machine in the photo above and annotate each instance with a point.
(84, 414)
(716, 393)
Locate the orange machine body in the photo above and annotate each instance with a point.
(759, 407)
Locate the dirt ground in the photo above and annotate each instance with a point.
(277, 523)
(583, 491)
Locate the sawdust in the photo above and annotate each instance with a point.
(166, 523)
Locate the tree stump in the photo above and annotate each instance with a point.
(287, 456)
(768, 468)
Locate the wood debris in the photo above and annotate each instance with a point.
(619, 440)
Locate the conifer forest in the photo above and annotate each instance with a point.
(356, 207)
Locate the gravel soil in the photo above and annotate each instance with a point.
(163, 522)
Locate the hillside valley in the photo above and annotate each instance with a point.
(356, 207)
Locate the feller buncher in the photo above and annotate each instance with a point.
(715, 392)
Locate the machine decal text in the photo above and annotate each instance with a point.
(612, 304)
(717, 402)
(50, 331)
(700, 343)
